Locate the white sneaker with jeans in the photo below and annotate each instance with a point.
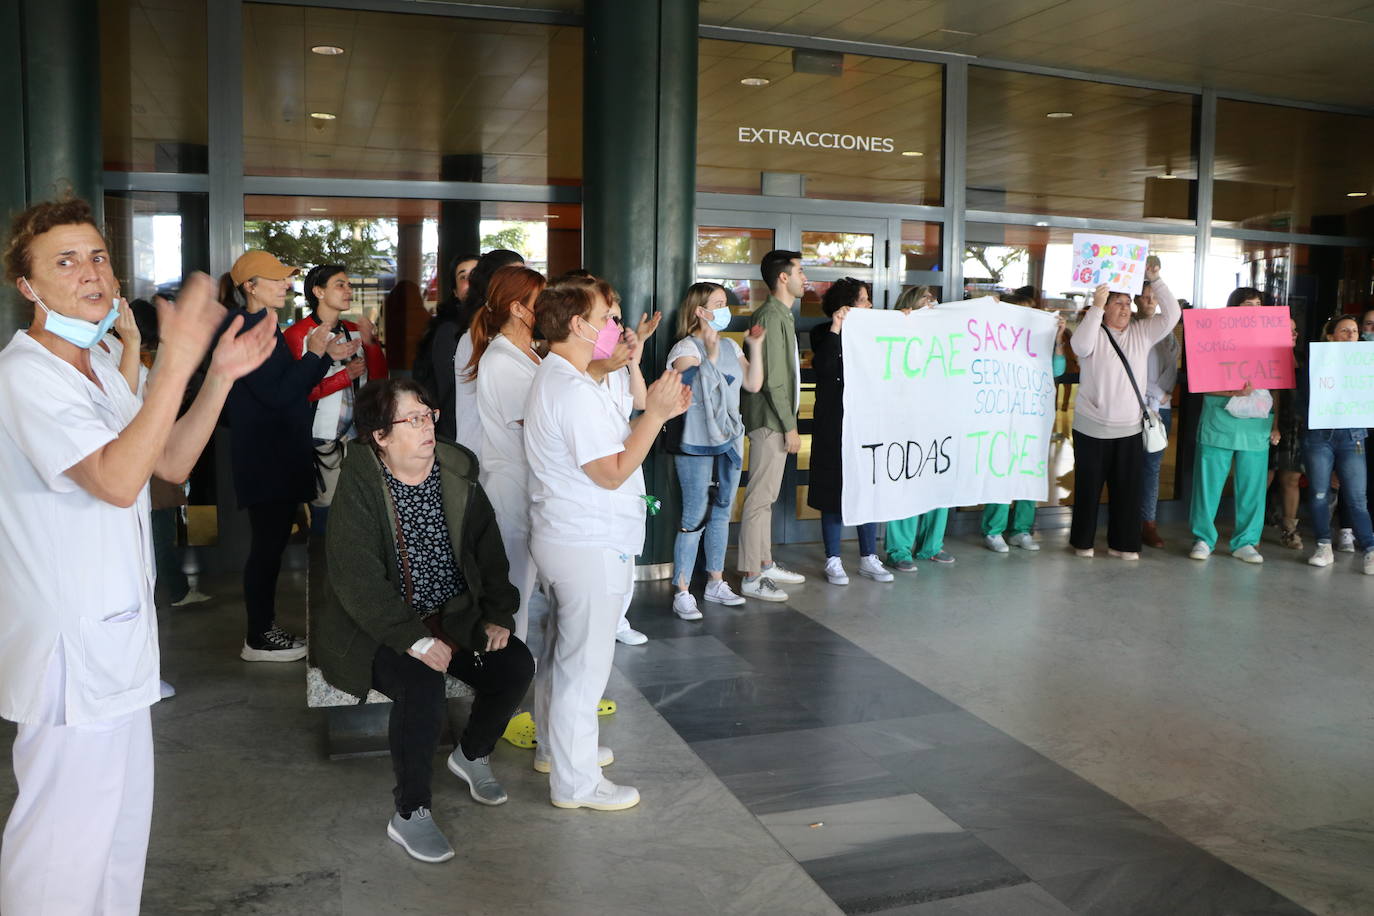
(1346, 542)
(685, 606)
(834, 572)
(874, 569)
(1322, 556)
(719, 591)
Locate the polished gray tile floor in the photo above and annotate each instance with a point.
(1021, 734)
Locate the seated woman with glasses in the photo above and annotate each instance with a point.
(418, 585)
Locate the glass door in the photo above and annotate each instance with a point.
(730, 245)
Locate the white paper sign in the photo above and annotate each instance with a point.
(946, 406)
(1341, 385)
(1114, 260)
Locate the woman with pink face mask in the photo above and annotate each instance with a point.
(587, 514)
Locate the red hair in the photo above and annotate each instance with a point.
(508, 285)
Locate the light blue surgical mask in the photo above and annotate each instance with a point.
(720, 319)
(1367, 335)
(75, 331)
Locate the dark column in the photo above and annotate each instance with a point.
(459, 220)
(639, 165)
(50, 144)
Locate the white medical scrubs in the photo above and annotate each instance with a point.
(503, 383)
(78, 644)
(584, 539)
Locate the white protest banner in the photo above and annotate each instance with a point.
(1114, 260)
(945, 406)
(1341, 389)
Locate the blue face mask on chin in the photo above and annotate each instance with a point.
(1367, 336)
(75, 331)
(720, 319)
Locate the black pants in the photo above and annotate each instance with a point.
(1118, 463)
(418, 706)
(270, 526)
(167, 555)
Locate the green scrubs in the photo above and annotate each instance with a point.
(1222, 441)
(1021, 513)
(925, 532)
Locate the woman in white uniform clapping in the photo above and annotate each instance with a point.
(587, 525)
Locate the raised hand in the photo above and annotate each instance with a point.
(127, 326)
(367, 330)
(185, 327)
(837, 319)
(237, 354)
(317, 341)
(1100, 295)
(755, 335)
(647, 325)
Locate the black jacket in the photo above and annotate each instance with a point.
(269, 415)
(827, 359)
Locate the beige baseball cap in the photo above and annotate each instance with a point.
(260, 264)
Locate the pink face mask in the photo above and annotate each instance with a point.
(606, 339)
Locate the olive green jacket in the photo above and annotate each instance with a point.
(775, 404)
(364, 608)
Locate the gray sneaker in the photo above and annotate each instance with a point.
(419, 836)
(906, 566)
(482, 785)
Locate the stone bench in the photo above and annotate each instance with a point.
(354, 726)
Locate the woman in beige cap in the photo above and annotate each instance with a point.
(269, 417)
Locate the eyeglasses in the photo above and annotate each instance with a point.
(420, 420)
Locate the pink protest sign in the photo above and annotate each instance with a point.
(1228, 347)
(1114, 260)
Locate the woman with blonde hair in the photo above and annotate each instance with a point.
(709, 456)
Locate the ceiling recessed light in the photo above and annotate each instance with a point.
(1059, 114)
(323, 115)
(327, 50)
(1042, 223)
(319, 209)
(1358, 194)
(755, 81)
(912, 152)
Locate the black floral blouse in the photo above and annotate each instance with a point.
(434, 573)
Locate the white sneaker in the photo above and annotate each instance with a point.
(834, 572)
(762, 588)
(785, 576)
(543, 758)
(1346, 542)
(1247, 554)
(630, 636)
(1369, 562)
(685, 606)
(1322, 556)
(1200, 551)
(720, 592)
(607, 797)
(191, 597)
(995, 543)
(1023, 541)
(873, 568)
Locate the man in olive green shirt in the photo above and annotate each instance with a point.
(770, 418)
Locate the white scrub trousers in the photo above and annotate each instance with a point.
(587, 588)
(77, 838)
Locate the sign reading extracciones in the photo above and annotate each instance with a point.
(816, 139)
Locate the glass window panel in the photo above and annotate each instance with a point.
(998, 258)
(732, 245)
(391, 248)
(1290, 169)
(868, 129)
(921, 245)
(153, 85)
(411, 97)
(1124, 153)
(837, 249)
(1313, 281)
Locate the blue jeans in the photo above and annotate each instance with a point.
(832, 529)
(694, 476)
(1149, 492)
(1342, 449)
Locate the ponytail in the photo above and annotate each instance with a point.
(508, 285)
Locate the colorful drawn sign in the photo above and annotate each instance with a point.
(945, 406)
(1226, 348)
(1341, 380)
(1114, 260)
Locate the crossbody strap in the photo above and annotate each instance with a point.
(1144, 412)
(402, 550)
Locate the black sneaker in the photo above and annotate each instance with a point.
(276, 645)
